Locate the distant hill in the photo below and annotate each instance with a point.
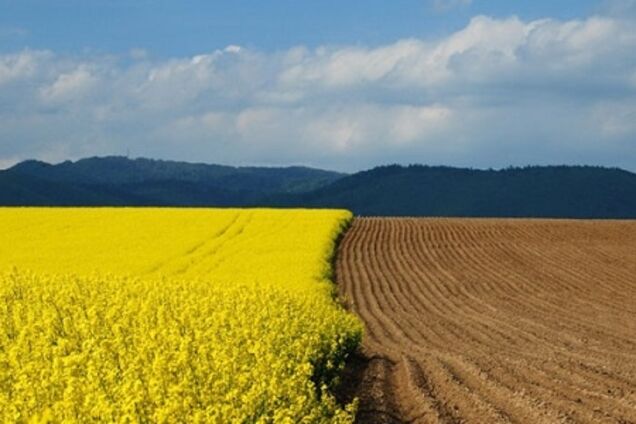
(553, 191)
(143, 182)
(549, 191)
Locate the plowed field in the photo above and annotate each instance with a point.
(487, 321)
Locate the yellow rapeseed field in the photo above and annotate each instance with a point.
(170, 315)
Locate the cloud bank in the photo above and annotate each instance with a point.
(498, 92)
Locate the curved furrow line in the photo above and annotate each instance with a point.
(442, 257)
(379, 391)
(571, 265)
(496, 320)
(423, 378)
(560, 256)
(426, 267)
(453, 333)
(538, 308)
(526, 280)
(382, 282)
(381, 331)
(457, 254)
(524, 388)
(543, 304)
(619, 276)
(575, 374)
(355, 279)
(536, 304)
(562, 390)
(517, 408)
(493, 320)
(535, 333)
(389, 305)
(423, 287)
(471, 406)
(609, 399)
(407, 309)
(347, 260)
(570, 388)
(590, 376)
(494, 262)
(423, 272)
(479, 260)
(534, 323)
(417, 284)
(532, 246)
(603, 352)
(477, 263)
(545, 391)
(415, 307)
(418, 402)
(391, 321)
(450, 315)
(618, 263)
(492, 329)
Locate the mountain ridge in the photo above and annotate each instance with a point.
(534, 191)
(117, 180)
(390, 190)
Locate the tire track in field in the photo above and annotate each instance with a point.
(492, 320)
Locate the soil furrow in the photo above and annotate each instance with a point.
(492, 320)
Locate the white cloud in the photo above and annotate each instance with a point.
(21, 65)
(497, 92)
(138, 54)
(411, 124)
(486, 49)
(69, 86)
(617, 119)
(232, 49)
(347, 67)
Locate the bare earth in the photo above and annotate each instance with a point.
(488, 321)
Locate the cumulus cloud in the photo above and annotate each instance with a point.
(20, 66)
(73, 85)
(495, 93)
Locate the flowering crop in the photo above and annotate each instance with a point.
(170, 315)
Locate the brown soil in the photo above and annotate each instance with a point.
(488, 321)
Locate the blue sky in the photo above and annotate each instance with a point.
(337, 84)
(187, 27)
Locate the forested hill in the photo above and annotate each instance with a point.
(117, 181)
(553, 191)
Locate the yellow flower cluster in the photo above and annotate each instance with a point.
(170, 315)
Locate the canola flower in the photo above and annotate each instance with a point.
(171, 315)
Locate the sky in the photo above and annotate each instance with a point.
(331, 84)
